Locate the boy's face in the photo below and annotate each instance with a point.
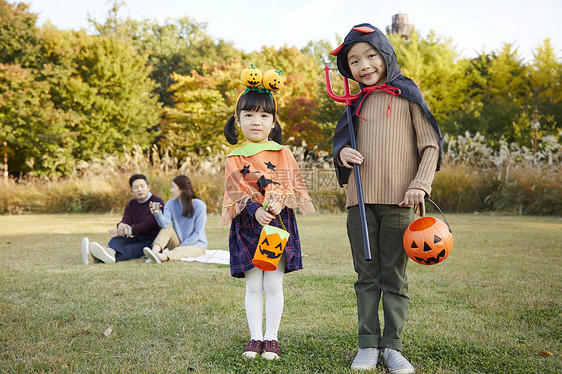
(366, 64)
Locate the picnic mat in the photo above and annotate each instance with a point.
(211, 256)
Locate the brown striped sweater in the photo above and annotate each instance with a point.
(400, 151)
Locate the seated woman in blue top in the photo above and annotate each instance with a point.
(182, 223)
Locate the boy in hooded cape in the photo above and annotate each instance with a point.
(394, 77)
(398, 151)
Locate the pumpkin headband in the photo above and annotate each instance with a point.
(268, 82)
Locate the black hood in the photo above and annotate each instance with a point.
(369, 34)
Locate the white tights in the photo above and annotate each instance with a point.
(258, 281)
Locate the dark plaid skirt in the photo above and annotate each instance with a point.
(243, 241)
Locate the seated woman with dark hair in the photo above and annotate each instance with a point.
(182, 224)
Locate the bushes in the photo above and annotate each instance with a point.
(462, 188)
(530, 191)
(63, 196)
(524, 190)
(473, 178)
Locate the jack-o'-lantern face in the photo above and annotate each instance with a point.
(251, 77)
(428, 241)
(273, 80)
(271, 245)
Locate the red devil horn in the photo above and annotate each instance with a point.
(361, 29)
(364, 29)
(337, 50)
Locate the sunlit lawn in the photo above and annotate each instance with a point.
(494, 306)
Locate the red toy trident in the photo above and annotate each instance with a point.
(348, 98)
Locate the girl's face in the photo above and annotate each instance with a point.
(255, 125)
(176, 192)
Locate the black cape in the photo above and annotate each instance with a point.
(367, 33)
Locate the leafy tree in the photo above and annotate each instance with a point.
(496, 95)
(36, 132)
(545, 75)
(112, 92)
(18, 34)
(203, 104)
(508, 75)
(71, 96)
(179, 46)
(176, 46)
(437, 68)
(320, 51)
(204, 101)
(103, 86)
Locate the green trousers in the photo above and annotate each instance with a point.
(384, 277)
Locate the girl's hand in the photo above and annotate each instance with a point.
(413, 197)
(349, 156)
(153, 208)
(263, 217)
(274, 208)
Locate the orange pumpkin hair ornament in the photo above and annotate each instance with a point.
(269, 82)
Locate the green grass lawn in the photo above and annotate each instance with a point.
(494, 306)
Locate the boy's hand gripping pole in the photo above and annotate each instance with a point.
(348, 99)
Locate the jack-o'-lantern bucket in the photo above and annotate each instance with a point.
(428, 240)
(271, 246)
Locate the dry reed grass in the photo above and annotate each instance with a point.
(473, 177)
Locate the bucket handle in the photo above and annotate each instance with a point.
(440, 211)
(283, 226)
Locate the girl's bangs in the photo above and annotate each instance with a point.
(256, 101)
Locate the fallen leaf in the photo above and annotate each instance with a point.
(545, 353)
(108, 331)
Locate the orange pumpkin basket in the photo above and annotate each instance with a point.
(271, 246)
(428, 240)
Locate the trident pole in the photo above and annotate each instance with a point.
(348, 99)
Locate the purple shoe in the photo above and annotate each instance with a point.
(253, 349)
(271, 350)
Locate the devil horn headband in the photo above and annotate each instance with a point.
(361, 29)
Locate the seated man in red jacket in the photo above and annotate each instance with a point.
(137, 228)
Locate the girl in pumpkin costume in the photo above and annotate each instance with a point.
(263, 184)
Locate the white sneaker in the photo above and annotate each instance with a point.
(155, 257)
(395, 362)
(102, 253)
(367, 358)
(87, 257)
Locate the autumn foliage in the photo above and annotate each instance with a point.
(68, 97)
